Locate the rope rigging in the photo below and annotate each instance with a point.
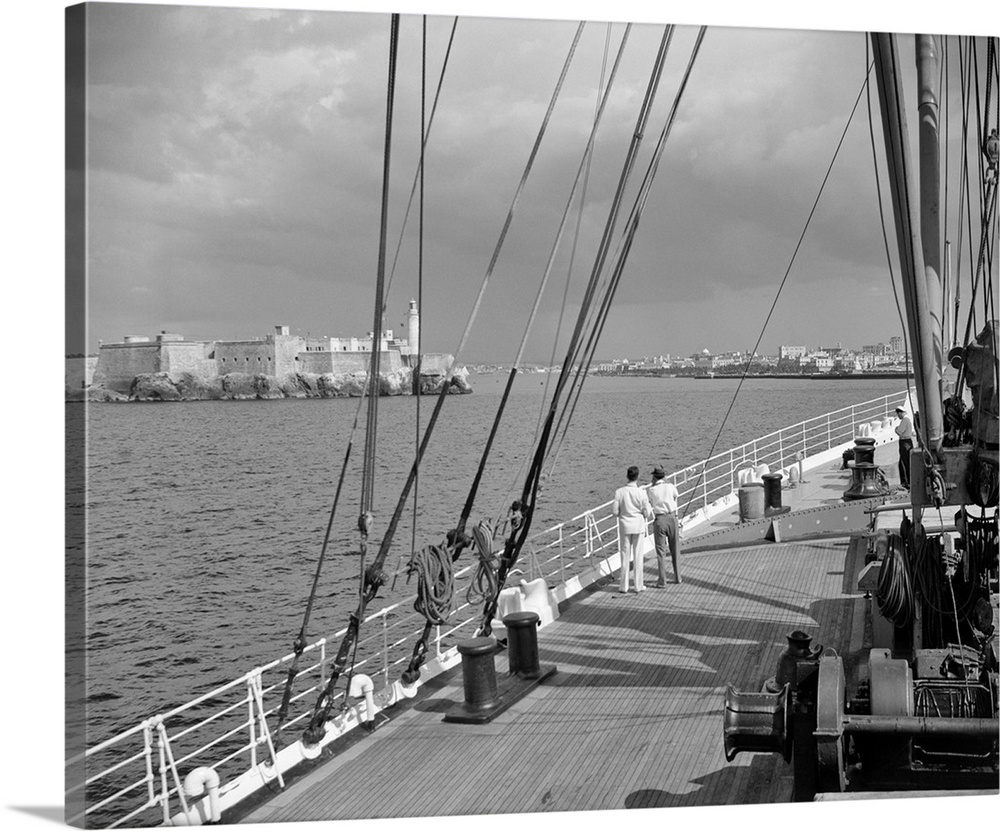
(781, 285)
(587, 320)
(371, 579)
(456, 540)
(580, 176)
(516, 539)
(573, 250)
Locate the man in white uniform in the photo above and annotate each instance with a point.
(631, 506)
(663, 498)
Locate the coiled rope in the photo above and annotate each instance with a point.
(435, 582)
(894, 593)
(484, 583)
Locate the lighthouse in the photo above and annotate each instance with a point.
(413, 328)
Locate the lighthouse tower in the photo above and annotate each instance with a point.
(413, 328)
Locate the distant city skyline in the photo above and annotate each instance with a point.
(400, 329)
(234, 172)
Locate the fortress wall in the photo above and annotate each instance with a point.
(177, 357)
(286, 349)
(254, 357)
(392, 361)
(119, 363)
(317, 363)
(344, 362)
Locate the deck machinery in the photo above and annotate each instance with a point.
(917, 710)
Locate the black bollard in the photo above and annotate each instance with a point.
(479, 675)
(772, 491)
(864, 450)
(522, 643)
(866, 477)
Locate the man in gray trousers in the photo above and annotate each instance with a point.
(663, 498)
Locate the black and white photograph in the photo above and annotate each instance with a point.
(485, 414)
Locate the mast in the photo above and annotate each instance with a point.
(911, 253)
(930, 209)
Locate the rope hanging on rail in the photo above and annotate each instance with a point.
(435, 582)
(484, 582)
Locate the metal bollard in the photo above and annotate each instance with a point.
(479, 675)
(522, 643)
(864, 450)
(772, 491)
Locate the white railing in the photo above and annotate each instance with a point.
(134, 778)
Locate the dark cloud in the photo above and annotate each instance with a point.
(236, 169)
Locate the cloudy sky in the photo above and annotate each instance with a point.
(174, 134)
(235, 158)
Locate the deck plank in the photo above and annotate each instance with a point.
(633, 716)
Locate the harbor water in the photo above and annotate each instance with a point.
(205, 520)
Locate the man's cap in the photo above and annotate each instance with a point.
(900, 410)
(659, 472)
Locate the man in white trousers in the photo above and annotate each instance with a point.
(631, 506)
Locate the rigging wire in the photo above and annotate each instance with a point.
(612, 220)
(520, 187)
(415, 372)
(582, 173)
(324, 701)
(418, 173)
(432, 421)
(622, 252)
(299, 643)
(988, 195)
(298, 646)
(784, 279)
(519, 533)
(368, 473)
(576, 233)
(456, 540)
(587, 316)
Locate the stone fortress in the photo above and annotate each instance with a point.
(278, 365)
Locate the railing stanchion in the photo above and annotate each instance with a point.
(164, 787)
(562, 572)
(588, 537)
(437, 639)
(322, 663)
(385, 648)
(251, 723)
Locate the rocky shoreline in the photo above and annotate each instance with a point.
(239, 386)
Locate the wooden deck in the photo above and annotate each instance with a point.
(633, 716)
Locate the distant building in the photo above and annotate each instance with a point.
(275, 355)
(791, 353)
(878, 349)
